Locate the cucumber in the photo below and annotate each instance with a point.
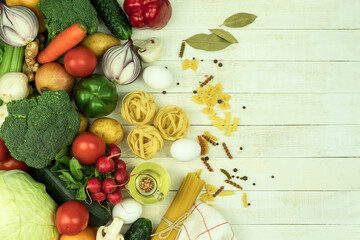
(140, 230)
(114, 17)
(56, 188)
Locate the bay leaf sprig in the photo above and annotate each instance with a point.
(239, 20)
(207, 42)
(219, 38)
(224, 35)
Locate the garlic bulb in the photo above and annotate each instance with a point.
(121, 64)
(18, 25)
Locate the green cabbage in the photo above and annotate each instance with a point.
(27, 211)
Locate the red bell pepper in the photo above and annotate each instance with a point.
(154, 14)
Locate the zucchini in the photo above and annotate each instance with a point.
(56, 188)
(12, 60)
(114, 17)
(140, 230)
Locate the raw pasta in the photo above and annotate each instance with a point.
(145, 141)
(212, 137)
(189, 190)
(138, 108)
(172, 123)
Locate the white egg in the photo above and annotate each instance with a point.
(157, 77)
(185, 149)
(129, 210)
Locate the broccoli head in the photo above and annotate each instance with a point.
(37, 129)
(62, 14)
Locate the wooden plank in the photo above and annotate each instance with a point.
(259, 77)
(275, 14)
(296, 232)
(289, 173)
(274, 45)
(273, 109)
(279, 207)
(278, 141)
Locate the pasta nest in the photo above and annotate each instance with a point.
(172, 122)
(145, 141)
(138, 108)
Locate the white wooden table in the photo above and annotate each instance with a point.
(296, 70)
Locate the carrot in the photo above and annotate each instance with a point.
(62, 43)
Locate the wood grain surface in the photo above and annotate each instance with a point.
(294, 82)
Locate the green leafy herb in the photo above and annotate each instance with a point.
(97, 173)
(63, 156)
(239, 20)
(69, 180)
(75, 169)
(72, 173)
(88, 170)
(207, 42)
(224, 35)
(81, 194)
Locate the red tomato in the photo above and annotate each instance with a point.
(88, 147)
(72, 218)
(80, 61)
(4, 151)
(11, 163)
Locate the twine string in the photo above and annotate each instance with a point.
(171, 226)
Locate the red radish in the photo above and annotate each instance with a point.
(94, 185)
(114, 152)
(98, 197)
(120, 164)
(109, 185)
(122, 176)
(105, 164)
(114, 197)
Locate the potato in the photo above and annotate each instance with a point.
(83, 124)
(108, 129)
(100, 42)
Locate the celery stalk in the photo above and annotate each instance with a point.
(6, 62)
(17, 59)
(13, 59)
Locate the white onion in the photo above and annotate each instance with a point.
(121, 64)
(18, 25)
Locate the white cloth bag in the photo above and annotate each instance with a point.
(205, 223)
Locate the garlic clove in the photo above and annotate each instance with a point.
(149, 50)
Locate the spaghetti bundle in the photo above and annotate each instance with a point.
(138, 108)
(177, 213)
(145, 141)
(172, 122)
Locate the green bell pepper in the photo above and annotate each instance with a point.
(95, 96)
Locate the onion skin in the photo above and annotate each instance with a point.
(53, 76)
(116, 63)
(18, 25)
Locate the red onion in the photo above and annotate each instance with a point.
(121, 64)
(18, 25)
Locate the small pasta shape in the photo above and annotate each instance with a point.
(212, 137)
